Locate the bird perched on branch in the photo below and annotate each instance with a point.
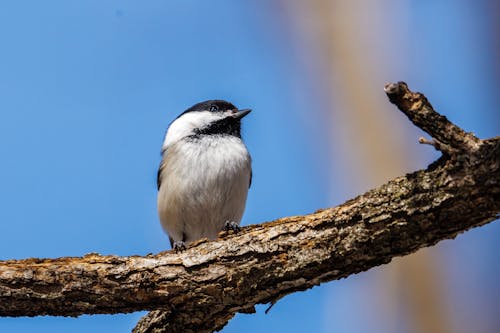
(204, 174)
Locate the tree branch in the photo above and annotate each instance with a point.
(448, 138)
(202, 288)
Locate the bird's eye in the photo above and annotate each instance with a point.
(214, 108)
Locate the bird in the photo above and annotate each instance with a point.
(205, 173)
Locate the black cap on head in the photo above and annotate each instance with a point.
(213, 105)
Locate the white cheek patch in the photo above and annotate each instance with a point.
(186, 125)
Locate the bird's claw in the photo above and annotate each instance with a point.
(179, 246)
(231, 225)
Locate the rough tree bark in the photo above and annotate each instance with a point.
(201, 289)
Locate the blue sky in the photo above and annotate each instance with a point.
(87, 90)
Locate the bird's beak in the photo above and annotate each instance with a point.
(238, 114)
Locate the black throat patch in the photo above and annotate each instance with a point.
(225, 126)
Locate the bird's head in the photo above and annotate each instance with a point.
(212, 117)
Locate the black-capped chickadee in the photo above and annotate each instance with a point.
(204, 174)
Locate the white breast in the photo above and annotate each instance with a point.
(204, 183)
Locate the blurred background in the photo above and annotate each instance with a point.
(87, 90)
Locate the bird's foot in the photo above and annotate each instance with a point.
(179, 246)
(231, 225)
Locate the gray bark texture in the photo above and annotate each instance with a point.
(203, 287)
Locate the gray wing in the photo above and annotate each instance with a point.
(160, 169)
(158, 176)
